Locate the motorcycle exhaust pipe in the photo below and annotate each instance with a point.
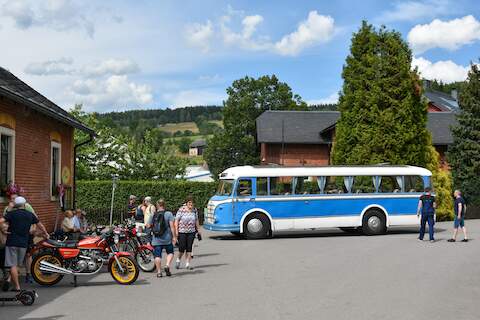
(49, 267)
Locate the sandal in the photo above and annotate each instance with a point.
(451, 240)
(159, 275)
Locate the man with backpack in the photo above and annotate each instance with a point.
(426, 206)
(163, 237)
(460, 208)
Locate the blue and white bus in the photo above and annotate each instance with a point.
(260, 201)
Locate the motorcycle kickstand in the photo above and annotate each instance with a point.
(74, 281)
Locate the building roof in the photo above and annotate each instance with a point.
(198, 143)
(308, 127)
(18, 91)
(281, 171)
(443, 101)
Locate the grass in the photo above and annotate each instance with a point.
(193, 138)
(182, 126)
(217, 122)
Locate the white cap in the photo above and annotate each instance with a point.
(20, 201)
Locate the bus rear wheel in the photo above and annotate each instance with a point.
(256, 226)
(374, 223)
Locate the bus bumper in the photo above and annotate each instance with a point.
(222, 227)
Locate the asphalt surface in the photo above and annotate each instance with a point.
(323, 275)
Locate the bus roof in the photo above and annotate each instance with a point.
(281, 171)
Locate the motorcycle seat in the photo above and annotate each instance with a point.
(63, 244)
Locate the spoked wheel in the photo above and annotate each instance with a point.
(145, 260)
(45, 278)
(27, 298)
(257, 226)
(130, 270)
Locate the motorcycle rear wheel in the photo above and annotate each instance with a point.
(130, 273)
(45, 278)
(141, 256)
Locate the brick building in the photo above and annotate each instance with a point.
(37, 147)
(297, 138)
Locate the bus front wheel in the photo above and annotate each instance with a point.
(374, 222)
(256, 226)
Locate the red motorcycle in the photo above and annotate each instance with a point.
(83, 258)
(135, 243)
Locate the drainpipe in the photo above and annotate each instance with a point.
(74, 188)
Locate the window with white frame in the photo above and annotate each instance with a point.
(7, 158)
(56, 160)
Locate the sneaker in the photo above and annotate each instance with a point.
(177, 264)
(159, 274)
(167, 271)
(189, 267)
(432, 241)
(451, 240)
(420, 239)
(465, 240)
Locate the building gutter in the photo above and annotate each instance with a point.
(74, 188)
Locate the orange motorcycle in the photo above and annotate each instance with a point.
(54, 259)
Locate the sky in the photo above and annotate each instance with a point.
(121, 55)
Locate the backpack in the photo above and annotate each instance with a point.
(139, 214)
(159, 224)
(427, 204)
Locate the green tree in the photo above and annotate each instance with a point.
(383, 117)
(464, 154)
(247, 99)
(183, 144)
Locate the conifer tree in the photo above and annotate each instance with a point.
(383, 116)
(464, 154)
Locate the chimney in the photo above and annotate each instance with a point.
(454, 94)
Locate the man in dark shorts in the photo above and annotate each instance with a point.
(426, 206)
(19, 223)
(459, 207)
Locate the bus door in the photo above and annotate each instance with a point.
(244, 198)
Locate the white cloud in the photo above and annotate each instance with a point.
(195, 97)
(59, 15)
(61, 66)
(112, 67)
(114, 92)
(446, 71)
(333, 98)
(415, 10)
(199, 35)
(449, 35)
(315, 30)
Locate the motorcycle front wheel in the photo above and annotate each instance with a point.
(130, 270)
(145, 260)
(45, 278)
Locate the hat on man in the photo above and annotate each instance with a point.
(20, 201)
(132, 197)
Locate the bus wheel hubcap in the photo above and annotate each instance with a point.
(374, 222)
(254, 225)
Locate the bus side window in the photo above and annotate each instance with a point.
(363, 184)
(335, 185)
(413, 184)
(280, 186)
(262, 186)
(244, 188)
(306, 185)
(390, 184)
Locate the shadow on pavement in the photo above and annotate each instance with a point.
(46, 318)
(213, 265)
(187, 273)
(203, 255)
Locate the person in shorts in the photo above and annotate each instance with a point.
(164, 241)
(19, 223)
(460, 208)
(186, 226)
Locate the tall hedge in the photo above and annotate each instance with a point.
(95, 196)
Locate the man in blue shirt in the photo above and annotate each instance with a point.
(426, 206)
(459, 207)
(165, 240)
(19, 223)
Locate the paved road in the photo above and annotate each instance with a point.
(325, 275)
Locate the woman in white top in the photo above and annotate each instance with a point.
(148, 211)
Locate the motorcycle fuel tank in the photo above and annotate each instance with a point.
(88, 243)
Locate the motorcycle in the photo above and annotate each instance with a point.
(83, 258)
(134, 243)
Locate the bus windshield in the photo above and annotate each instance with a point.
(225, 188)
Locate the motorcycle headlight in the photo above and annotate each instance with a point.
(115, 239)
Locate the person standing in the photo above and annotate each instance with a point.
(186, 226)
(164, 236)
(19, 224)
(148, 210)
(460, 208)
(67, 223)
(426, 206)
(132, 206)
